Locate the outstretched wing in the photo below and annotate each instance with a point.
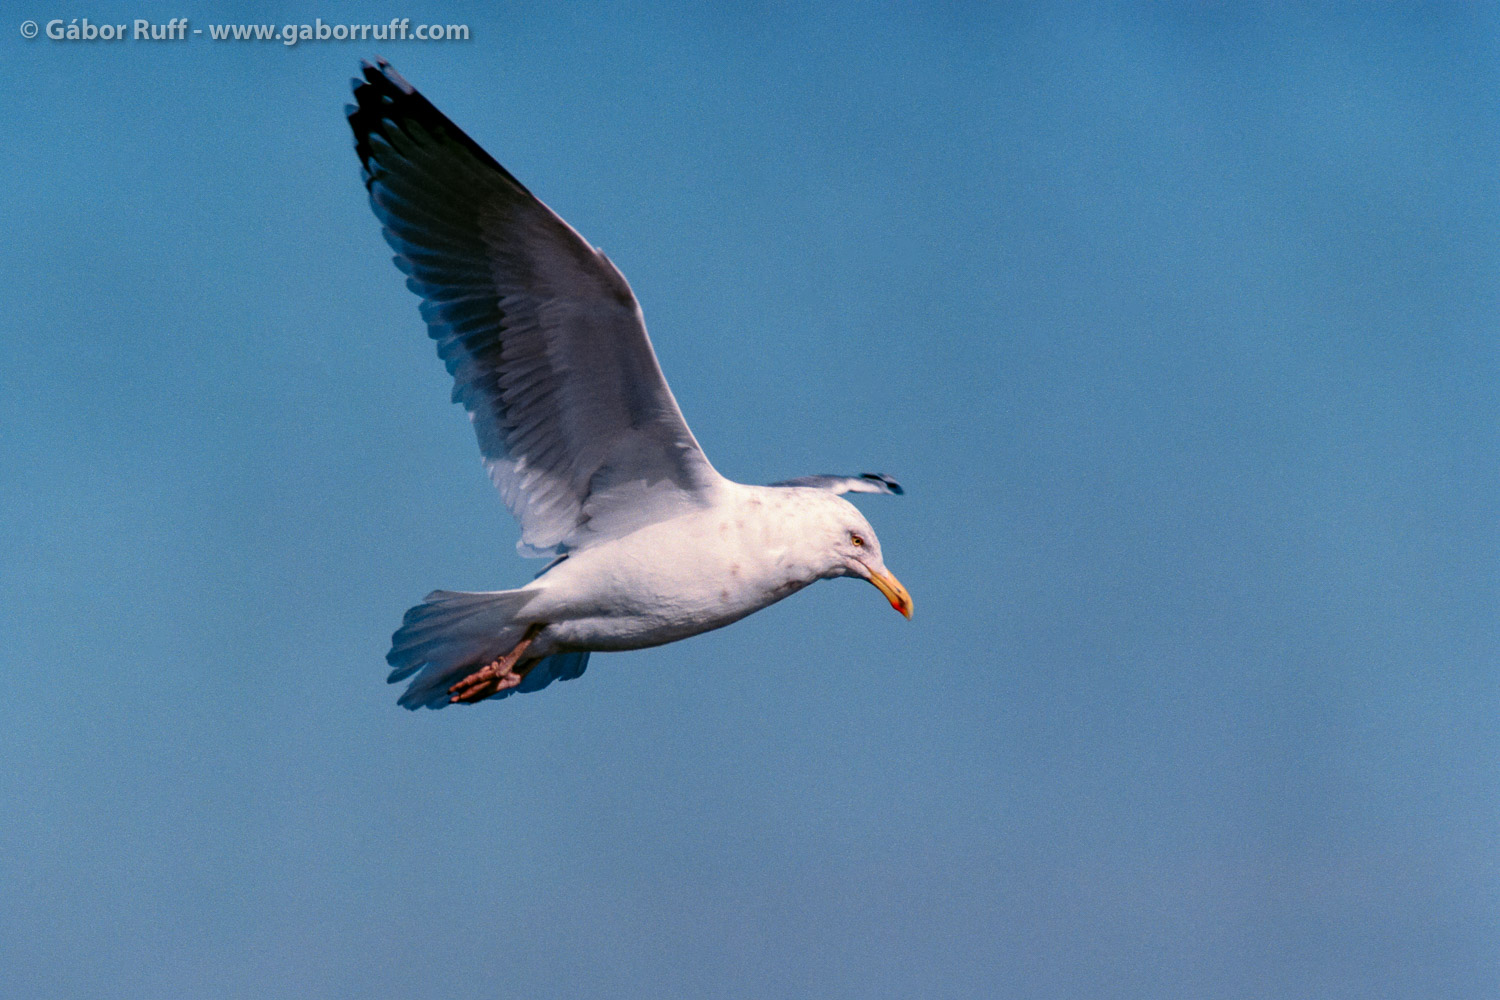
(865, 482)
(542, 335)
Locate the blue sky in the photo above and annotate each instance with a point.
(1178, 323)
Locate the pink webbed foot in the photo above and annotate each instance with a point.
(499, 675)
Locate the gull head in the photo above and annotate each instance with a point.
(852, 549)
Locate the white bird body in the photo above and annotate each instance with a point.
(579, 431)
(691, 574)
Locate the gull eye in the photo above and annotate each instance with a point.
(859, 542)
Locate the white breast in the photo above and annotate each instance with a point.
(680, 577)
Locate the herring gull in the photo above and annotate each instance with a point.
(579, 432)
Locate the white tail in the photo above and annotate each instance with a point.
(452, 633)
(448, 635)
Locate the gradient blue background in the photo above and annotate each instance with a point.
(1178, 322)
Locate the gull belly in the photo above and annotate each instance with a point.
(674, 579)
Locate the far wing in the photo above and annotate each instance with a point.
(865, 482)
(542, 335)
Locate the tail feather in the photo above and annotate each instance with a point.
(557, 667)
(447, 635)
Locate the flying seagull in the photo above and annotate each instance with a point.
(580, 434)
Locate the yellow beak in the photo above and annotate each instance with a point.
(893, 591)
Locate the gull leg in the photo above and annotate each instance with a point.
(502, 674)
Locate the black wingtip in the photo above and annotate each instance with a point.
(378, 95)
(383, 99)
(885, 481)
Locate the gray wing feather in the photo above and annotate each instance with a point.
(865, 482)
(541, 333)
